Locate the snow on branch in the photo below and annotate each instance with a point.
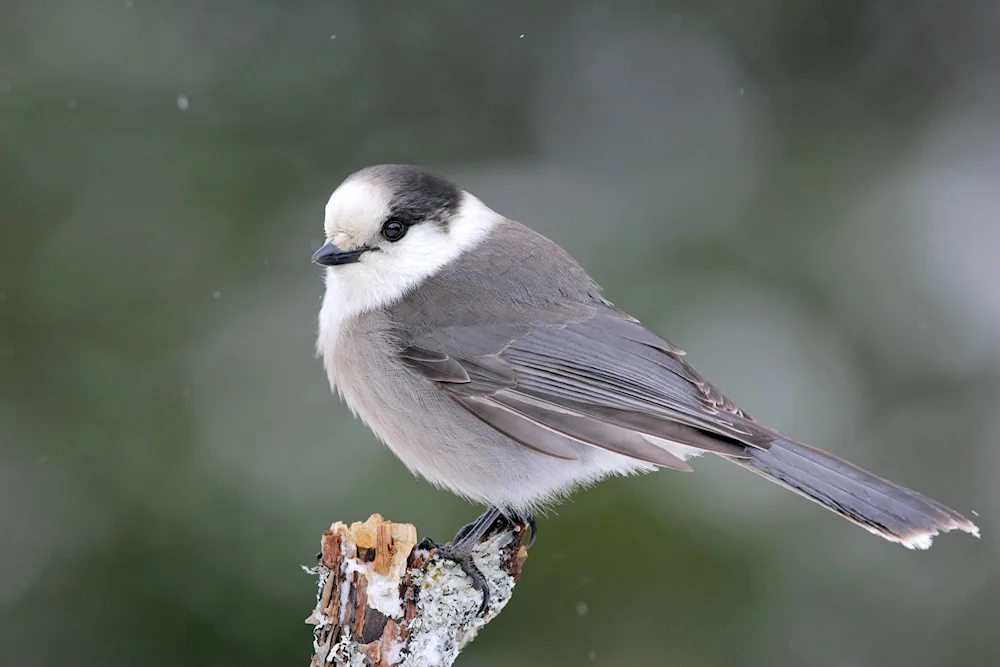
(381, 601)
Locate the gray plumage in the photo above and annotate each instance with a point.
(505, 376)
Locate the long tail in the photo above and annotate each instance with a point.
(877, 505)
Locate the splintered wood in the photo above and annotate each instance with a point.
(382, 602)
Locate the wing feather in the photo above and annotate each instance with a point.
(595, 378)
(445, 369)
(520, 428)
(591, 431)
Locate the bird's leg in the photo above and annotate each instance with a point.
(463, 531)
(466, 532)
(499, 522)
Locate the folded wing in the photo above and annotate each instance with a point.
(599, 379)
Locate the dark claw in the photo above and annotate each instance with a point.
(463, 558)
(428, 544)
(534, 530)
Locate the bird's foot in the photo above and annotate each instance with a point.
(459, 551)
(462, 556)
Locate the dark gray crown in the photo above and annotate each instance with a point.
(415, 194)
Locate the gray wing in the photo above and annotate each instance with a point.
(593, 376)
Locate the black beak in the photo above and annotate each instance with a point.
(331, 255)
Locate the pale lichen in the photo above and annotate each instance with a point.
(448, 606)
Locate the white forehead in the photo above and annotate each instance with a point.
(356, 207)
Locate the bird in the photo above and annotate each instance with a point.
(492, 365)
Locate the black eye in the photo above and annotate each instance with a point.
(393, 230)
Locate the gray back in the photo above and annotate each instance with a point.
(515, 277)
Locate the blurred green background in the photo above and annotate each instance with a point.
(805, 196)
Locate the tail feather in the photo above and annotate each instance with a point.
(881, 507)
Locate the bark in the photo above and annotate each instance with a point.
(381, 601)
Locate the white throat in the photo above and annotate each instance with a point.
(382, 278)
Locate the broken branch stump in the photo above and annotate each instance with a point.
(381, 601)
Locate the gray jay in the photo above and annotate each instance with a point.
(488, 361)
